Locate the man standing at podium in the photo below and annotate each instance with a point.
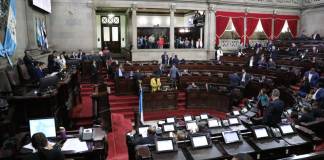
(273, 112)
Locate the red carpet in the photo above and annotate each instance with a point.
(123, 109)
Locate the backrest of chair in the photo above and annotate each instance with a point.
(13, 76)
(5, 86)
(23, 71)
(143, 152)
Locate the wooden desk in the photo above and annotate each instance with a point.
(164, 100)
(125, 86)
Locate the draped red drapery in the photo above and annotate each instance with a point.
(267, 27)
(238, 23)
(293, 27)
(251, 24)
(278, 25)
(221, 24)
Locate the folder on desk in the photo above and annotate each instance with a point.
(74, 144)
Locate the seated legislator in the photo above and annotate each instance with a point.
(192, 86)
(155, 83)
(150, 139)
(271, 64)
(273, 112)
(318, 96)
(312, 76)
(234, 80)
(307, 115)
(45, 151)
(39, 70)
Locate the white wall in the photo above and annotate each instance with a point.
(163, 21)
(312, 20)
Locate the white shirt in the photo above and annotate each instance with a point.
(251, 63)
(314, 95)
(310, 76)
(120, 73)
(243, 77)
(219, 54)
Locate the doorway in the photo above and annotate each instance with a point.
(110, 33)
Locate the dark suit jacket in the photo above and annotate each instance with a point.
(165, 59)
(273, 112)
(314, 79)
(53, 154)
(150, 139)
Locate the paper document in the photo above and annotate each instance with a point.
(74, 144)
(29, 146)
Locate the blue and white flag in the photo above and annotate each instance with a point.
(45, 41)
(39, 38)
(140, 103)
(8, 48)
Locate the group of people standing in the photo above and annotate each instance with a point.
(151, 41)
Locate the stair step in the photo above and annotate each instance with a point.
(133, 102)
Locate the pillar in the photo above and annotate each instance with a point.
(172, 21)
(273, 23)
(206, 30)
(212, 32)
(134, 28)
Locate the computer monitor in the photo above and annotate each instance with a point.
(200, 141)
(286, 129)
(161, 122)
(168, 127)
(212, 123)
(236, 113)
(204, 116)
(191, 126)
(230, 137)
(46, 82)
(164, 145)
(143, 130)
(45, 125)
(187, 118)
(233, 121)
(244, 110)
(170, 120)
(260, 133)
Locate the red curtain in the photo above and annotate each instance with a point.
(251, 24)
(267, 27)
(278, 25)
(238, 23)
(293, 27)
(221, 24)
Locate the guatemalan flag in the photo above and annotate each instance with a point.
(140, 105)
(8, 48)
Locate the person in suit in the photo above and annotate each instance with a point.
(293, 49)
(219, 53)
(273, 112)
(165, 58)
(174, 74)
(263, 100)
(45, 151)
(318, 96)
(52, 65)
(119, 72)
(192, 86)
(271, 64)
(175, 60)
(273, 53)
(245, 78)
(150, 139)
(316, 36)
(312, 77)
(39, 71)
(251, 62)
(94, 72)
(234, 80)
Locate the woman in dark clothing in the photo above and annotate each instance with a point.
(45, 151)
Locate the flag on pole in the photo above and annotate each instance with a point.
(8, 48)
(45, 44)
(38, 33)
(140, 110)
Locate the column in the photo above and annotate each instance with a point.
(212, 31)
(172, 19)
(244, 29)
(272, 24)
(206, 30)
(134, 27)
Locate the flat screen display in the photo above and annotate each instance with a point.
(199, 141)
(233, 121)
(168, 128)
(213, 123)
(43, 4)
(170, 120)
(164, 145)
(230, 137)
(261, 133)
(203, 116)
(191, 126)
(244, 110)
(187, 118)
(46, 126)
(143, 131)
(286, 129)
(161, 122)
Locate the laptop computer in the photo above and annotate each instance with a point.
(168, 127)
(170, 120)
(45, 125)
(204, 116)
(234, 121)
(213, 123)
(231, 137)
(187, 118)
(286, 129)
(191, 126)
(200, 141)
(163, 145)
(48, 82)
(142, 130)
(260, 132)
